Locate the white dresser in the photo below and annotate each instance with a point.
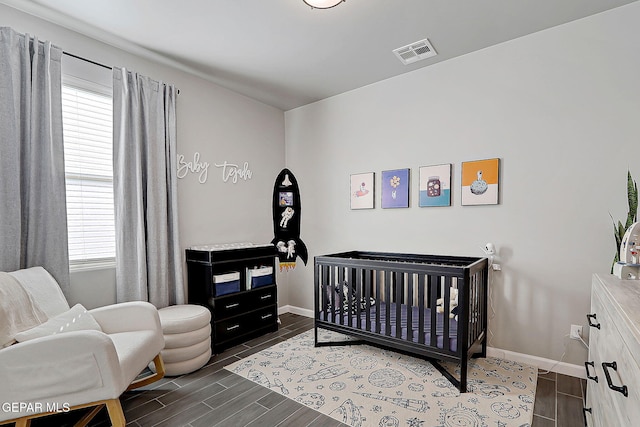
(613, 399)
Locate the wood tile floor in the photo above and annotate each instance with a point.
(212, 396)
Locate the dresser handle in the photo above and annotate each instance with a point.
(231, 328)
(266, 316)
(264, 297)
(586, 366)
(593, 325)
(622, 389)
(584, 414)
(232, 305)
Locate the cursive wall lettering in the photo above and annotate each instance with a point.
(195, 166)
(233, 171)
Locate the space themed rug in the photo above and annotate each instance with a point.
(362, 385)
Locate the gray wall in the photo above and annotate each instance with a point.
(559, 108)
(219, 124)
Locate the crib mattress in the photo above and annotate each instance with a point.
(381, 328)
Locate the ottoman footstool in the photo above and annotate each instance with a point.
(187, 338)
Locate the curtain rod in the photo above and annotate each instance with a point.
(93, 62)
(87, 60)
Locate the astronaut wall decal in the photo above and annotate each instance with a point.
(286, 221)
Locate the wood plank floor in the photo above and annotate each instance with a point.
(213, 396)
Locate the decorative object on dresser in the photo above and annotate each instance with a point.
(632, 216)
(390, 300)
(237, 282)
(613, 368)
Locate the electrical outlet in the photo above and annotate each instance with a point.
(576, 332)
(496, 267)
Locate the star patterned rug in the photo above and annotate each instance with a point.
(362, 385)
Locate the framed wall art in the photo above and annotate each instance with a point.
(480, 182)
(435, 185)
(395, 188)
(362, 192)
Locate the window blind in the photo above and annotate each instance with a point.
(88, 151)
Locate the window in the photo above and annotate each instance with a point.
(87, 112)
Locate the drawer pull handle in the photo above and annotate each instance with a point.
(231, 328)
(622, 389)
(593, 325)
(584, 414)
(264, 297)
(266, 316)
(586, 366)
(232, 305)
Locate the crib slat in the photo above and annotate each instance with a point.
(332, 294)
(367, 295)
(340, 286)
(409, 303)
(378, 278)
(387, 302)
(434, 284)
(421, 295)
(358, 296)
(445, 314)
(399, 285)
(473, 301)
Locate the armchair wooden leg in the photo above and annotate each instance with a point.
(159, 364)
(115, 413)
(89, 416)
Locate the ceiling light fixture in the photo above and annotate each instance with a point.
(323, 4)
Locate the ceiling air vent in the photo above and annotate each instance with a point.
(414, 52)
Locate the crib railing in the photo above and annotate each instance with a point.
(396, 296)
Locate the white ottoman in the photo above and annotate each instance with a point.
(187, 338)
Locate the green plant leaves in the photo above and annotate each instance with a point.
(632, 216)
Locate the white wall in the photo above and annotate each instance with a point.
(559, 108)
(219, 124)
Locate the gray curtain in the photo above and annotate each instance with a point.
(33, 213)
(148, 257)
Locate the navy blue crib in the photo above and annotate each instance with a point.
(390, 299)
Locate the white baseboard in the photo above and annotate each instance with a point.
(295, 310)
(540, 362)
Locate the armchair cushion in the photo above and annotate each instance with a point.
(75, 319)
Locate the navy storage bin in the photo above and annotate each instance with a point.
(262, 276)
(226, 283)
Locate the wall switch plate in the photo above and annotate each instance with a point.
(576, 332)
(496, 267)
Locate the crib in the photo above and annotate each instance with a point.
(393, 300)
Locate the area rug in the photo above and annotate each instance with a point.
(361, 385)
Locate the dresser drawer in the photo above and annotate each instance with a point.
(264, 296)
(237, 326)
(243, 302)
(625, 375)
(609, 347)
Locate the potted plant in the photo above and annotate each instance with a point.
(619, 229)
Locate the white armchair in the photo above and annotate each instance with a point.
(81, 368)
